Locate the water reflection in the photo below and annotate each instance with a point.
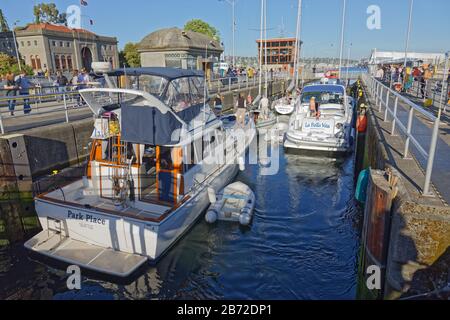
(302, 244)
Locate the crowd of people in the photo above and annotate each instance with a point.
(20, 85)
(402, 79)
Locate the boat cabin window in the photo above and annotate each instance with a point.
(323, 97)
(152, 84)
(184, 92)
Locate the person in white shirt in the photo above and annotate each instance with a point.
(264, 107)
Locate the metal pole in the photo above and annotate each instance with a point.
(15, 46)
(348, 62)
(408, 131)
(2, 129)
(407, 39)
(261, 49)
(233, 3)
(342, 38)
(65, 108)
(265, 45)
(431, 154)
(394, 117)
(386, 106)
(298, 42)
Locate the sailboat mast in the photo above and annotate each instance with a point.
(261, 48)
(298, 41)
(265, 43)
(342, 38)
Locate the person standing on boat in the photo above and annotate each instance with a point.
(314, 108)
(241, 109)
(218, 103)
(264, 106)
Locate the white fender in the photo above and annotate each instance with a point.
(212, 195)
(241, 163)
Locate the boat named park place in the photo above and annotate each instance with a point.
(156, 150)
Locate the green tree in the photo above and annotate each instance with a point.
(130, 56)
(201, 26)
(3, 23)
(48, 12)
(9, 64)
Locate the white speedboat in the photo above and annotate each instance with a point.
(235, 203)
(156, 150)
(284, 106)
(332, 131)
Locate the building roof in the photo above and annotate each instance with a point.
(168, 73)
(378, 56)
(177, 39)
(275, 39)
(53, 27)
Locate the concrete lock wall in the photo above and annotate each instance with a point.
(416, 249)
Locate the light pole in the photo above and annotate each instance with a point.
(15, 45)
(348, 61)
(408, 33)
(233, 17)
(342, 37)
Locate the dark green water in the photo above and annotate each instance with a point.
(303, 244)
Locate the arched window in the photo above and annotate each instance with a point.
(57, 62)
(33, 62)
(111, 61)
(38, 63)
(69, 63)
(63, 63)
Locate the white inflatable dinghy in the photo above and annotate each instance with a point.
(235, 203)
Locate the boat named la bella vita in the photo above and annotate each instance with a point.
(332, 130)
(155, 151)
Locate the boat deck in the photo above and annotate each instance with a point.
(75, 194)
(86, 255)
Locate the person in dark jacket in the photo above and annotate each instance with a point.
(11, 88)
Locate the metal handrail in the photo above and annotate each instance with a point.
(379, 91)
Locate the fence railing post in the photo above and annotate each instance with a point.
(229, 84)
(65, 108)
(2, 128)
(387, 105)
(380, 100)
(408, 132)
(394, 117)
(431, 154)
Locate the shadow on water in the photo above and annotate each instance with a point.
(302, 244)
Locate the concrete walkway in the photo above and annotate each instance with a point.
(422, 131)
(41, 115)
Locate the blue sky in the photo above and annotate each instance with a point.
(131, 20)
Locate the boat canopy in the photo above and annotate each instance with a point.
(167, 73)
(339, 89)
(144, 119)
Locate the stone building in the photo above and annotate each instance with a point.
(177, 48)
(54, 47)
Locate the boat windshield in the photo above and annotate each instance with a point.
(323, 97)
(183, 93)
(152, 84)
